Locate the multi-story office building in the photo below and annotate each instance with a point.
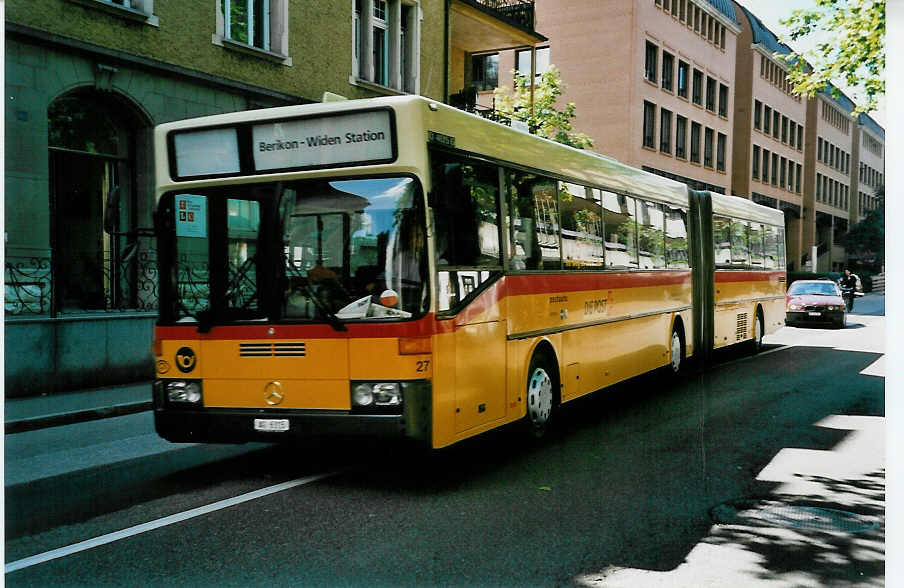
(87, 80)
(769, 129)
(869, 151)
(652, 80)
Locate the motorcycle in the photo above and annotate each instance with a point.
(848, 294)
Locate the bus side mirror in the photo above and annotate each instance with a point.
(111, 212)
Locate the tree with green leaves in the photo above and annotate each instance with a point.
(854, 53)
(544, 119)
(866, 239)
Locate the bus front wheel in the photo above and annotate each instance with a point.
(676, 351)
(540, 394)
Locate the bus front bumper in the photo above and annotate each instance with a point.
(185, 424)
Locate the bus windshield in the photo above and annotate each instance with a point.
(354, 248)
(305, 251)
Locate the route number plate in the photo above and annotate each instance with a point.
(811, 313)
(271, 425)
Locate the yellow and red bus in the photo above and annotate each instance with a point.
(394, 267)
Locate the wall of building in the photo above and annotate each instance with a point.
(319, 55)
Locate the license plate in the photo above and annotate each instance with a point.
(811, 313)
(271, 425)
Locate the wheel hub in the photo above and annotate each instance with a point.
(539, 396)
(676, 352)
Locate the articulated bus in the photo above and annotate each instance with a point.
(394, 267)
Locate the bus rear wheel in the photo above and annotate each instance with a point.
(540, 395)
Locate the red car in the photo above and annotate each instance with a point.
(815, 301)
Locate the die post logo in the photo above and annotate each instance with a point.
(185, 359)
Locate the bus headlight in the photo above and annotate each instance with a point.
(376, 394)
(183, 391)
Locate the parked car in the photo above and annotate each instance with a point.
(815, 301)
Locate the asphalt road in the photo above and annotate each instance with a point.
(628, 480)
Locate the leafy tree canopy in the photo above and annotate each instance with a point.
(854, 54)
(866, 239)
(546, 120)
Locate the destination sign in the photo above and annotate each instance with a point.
(360, 137)
(206, 153)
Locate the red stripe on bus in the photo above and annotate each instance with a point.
(558, 283)
(746, 276)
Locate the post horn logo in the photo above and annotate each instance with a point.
(186, 360)
(273, 393)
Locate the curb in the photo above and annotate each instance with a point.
(79, 416)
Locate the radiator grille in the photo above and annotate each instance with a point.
(742, 327)
(272, 349)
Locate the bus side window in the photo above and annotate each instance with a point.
(756, 245)
(582, 227)
(533, 221)
(740, 248)
(621, 238)
(466, 219)
(771, 257)
(650, 235)
(721, 241)
(676, 238)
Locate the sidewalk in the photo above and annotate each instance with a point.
(39, 412)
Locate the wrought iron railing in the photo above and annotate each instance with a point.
(98, 282)
(27, 282)
(518, 11)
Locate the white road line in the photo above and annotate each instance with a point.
(163, 522)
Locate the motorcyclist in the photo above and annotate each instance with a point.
(848, 285)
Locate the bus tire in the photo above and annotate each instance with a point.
(758, 331)
(677, 353)
(540, 394)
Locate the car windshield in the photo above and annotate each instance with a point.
(813, 288)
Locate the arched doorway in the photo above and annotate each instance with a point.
(91, 137)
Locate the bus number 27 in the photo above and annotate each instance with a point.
(423, 366)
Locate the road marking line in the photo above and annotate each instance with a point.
(163, 522)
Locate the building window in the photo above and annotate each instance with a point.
(765, 175)
(668, 65)
(775, 169)
(665, 131)
(720, 152)
(650, 63)
(698, 87)
(387, 43)
(792, 132)
(781, 168)
(775, 123)
(710, 94)
(649, 124)
(784, 129)
(522, 63)
(756, 162)
(255, 24)
(248, 22)
(485, 71)
(819, 149)
(683, 70)
(757, 114)
(767, 118)
(723, 100)
(708, 147)
(819, 187)
(695, 142)
(680, 136)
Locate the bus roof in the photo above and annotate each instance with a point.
(742, 208)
